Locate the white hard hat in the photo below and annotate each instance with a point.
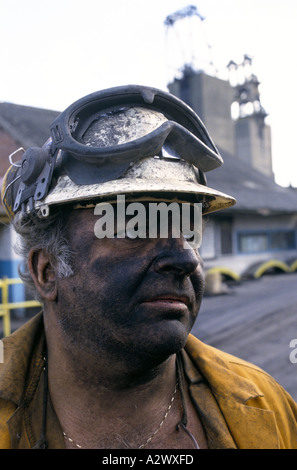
(133, 140)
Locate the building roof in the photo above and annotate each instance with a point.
(21, 126)
(27, 125)
(254, 191)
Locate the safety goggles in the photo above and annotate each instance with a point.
(101, 134)
(99, 137)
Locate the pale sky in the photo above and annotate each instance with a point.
(53, 52)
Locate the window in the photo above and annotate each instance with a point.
(253, 243)
(257, 242)
(282, 240)
(226, 236)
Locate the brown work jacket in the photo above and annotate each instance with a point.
(239, 405)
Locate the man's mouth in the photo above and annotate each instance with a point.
(168, 300)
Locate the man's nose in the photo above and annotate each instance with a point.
(176, 258)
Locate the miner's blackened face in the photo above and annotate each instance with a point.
(137, 297)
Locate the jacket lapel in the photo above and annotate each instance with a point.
(240, 400)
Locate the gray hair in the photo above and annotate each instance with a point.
(46, 234)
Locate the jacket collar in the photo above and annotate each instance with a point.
(19, 348)
(24, 367)
(241, 400)
(216, 366)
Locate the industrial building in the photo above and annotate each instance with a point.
(258, 233)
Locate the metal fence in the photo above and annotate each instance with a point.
(6, 306)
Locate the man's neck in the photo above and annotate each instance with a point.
(114, 413)
(111, 404)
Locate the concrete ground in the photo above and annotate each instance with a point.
(256, 321)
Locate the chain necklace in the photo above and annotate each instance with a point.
(151, 437)
(162, 422)
(42, 442)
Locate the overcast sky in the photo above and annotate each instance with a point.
(56, 51)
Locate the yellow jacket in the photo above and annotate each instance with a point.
(239, 405)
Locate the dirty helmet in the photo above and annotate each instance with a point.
(131, 140)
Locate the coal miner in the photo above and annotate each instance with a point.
(109, 215)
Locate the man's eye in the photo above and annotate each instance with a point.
(193, 237)
(136, 231)
(188, 236)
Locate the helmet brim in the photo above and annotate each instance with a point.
(160, 179)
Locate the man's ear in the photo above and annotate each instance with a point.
(43, 274)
